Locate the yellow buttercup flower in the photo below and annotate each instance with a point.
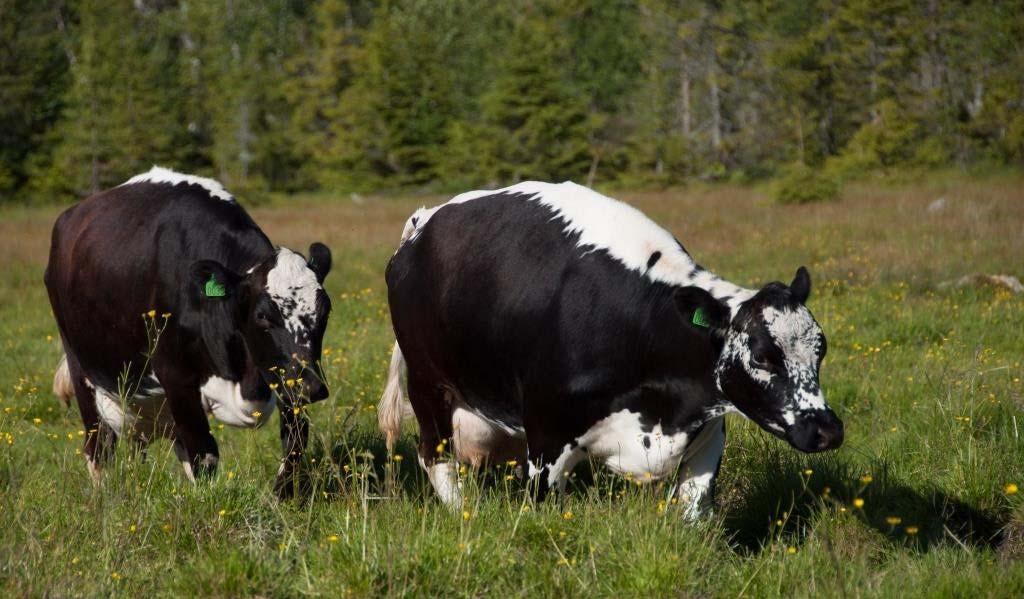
(911, 530)
(858, 503)
(893, 520)
(1010, 489)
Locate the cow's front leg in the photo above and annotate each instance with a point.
(294, 438)
(193, 444)
(550, 465)
(699, 469)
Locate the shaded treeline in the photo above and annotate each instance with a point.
(289, 95)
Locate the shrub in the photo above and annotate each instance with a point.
(801, 184)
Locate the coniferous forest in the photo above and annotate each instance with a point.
(350, 95)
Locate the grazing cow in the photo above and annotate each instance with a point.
(558, 319)
(172, 304)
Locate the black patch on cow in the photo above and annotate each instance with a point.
(653, 260)
(647, 441)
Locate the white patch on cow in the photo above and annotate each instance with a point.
(512, 431)
(182, 455)
(737, 349)
(698, 471)
(293, 286)
(559, 470)
(799, 337)
(477, 440)
(602, 223)
(159, 174)
(445, 479)
(223, 399)
(144, 416)
(621, 441)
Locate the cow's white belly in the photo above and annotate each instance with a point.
(223, 399)
(621, 442)
(145, 416)
(478, 440)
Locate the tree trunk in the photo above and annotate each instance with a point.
(685, 113)
(716, 105)
(592, 172)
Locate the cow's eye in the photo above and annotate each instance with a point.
(761, 362)
(262, 319)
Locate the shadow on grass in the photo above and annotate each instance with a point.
(785, 498)
(777, 498)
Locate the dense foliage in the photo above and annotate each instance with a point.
(362, 94)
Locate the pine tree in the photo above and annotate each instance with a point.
(33, 78)
(115, 123)
(533, 124)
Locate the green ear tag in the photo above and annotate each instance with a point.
(214, 289)
(700, 318)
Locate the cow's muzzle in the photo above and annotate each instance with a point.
(818, 430)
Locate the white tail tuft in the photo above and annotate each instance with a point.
(393, 407)
(62, 386)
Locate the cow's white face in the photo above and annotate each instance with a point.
(769, 367)
(286, 316)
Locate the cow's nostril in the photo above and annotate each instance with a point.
(829, 438)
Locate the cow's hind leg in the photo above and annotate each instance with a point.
(434, 414)
(699, 469)
(100, 439)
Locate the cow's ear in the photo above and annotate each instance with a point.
(211, 281)
(701, 310)
(320, 260)
(800, 288)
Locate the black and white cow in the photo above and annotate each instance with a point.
(239, 317)
(554, 317)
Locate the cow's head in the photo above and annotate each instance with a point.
(266, 326)
(769, 362)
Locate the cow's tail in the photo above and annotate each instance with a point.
(62, 387)
(393, 407)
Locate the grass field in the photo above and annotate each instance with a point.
(927, 379)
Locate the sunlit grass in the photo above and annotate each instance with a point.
(922, 500)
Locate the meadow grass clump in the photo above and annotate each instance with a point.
(922, 500)
(801, 184)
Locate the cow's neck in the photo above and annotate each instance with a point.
(728, 293)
